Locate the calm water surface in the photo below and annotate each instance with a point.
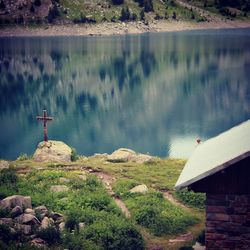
(153, 93)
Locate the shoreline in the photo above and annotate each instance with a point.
(109, 29)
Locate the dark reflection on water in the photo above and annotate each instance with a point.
(153, 93)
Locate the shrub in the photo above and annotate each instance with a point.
(8, 182)
(74, 156)
(51, 235)
(196, 200)
(159, 215)
(22, 157)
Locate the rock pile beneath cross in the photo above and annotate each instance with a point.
(52, 151)
(29, 222)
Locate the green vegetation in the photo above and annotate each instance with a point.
(190, 198)
(87, 203)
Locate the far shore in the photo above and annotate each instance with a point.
(105, 29)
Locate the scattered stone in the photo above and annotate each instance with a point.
(59, 188)
(101, 155)
(46, 222)
(29, 211)
(41, 210)
(82, 177)
(121, 155)
(16, 211)
(61, 226)
(16, 200)
(125, 155)
(38, 242)
(3, 164)
(139, 189)
(198, 246)
(56, 217)
(63, 180)
(81, 225)
(142, 158)
(52, 151)
(28, 219)
(25, 229)
(6, 221)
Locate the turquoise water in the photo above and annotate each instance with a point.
(154, 93)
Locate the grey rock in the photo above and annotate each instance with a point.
(59, 188)
(29, 211)
(3, 164)
(61, 226)
(16, 200)
(28, 219)
(16, 211)
(82, 177)
(46, 222)
(25, 229)
(63, 180)
(50, 151)
(6, 221)
(41, 210)
(139, 189)
(38, 242)
(56, 217)
(81, 225)
(121, 155)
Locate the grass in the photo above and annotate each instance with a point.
(153, 217)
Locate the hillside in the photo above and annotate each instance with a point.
(97, 207)
(96, 11)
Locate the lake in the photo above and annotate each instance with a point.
(154, 93)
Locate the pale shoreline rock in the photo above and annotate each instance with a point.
(52, 151)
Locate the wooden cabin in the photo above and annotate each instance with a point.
(220, 167)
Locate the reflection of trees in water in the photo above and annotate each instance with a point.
(153, 82)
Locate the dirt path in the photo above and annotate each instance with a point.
(108, 180)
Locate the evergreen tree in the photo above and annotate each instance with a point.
(125, 14)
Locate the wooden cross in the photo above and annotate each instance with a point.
(45, 118)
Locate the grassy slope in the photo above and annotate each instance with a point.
(159, 175)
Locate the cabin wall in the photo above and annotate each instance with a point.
(227, 221)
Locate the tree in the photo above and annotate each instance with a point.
(125, 14)
(142, 14)
(117, 2)
(148, 5)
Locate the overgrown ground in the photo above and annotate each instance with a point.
(155, 221)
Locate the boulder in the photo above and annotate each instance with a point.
(59, 188)
(142, 158)
(16, 211)
(139, 189)
(41, 210)
(55, 151)
(25, 229)
(29, 211)
(16, 200)
(57, 217)
(63, 180)
(121, 155)
(46, 222)
(82, 177)
(61, 226)
(3, 164)
(38, 242)
(126, 155)
(28, 219)
(6, 221)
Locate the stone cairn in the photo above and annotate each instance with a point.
(27, 221)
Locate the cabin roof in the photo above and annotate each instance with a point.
(216, 154)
